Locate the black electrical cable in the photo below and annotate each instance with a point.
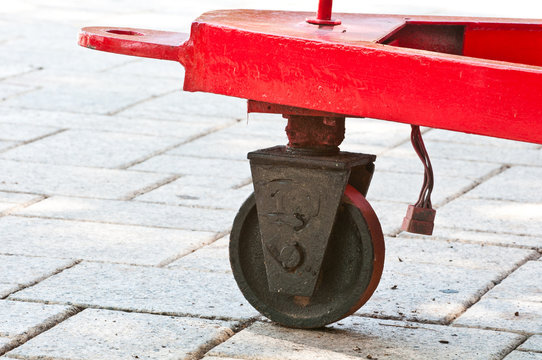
(424, 200)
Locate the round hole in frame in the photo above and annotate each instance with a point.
(124, 32)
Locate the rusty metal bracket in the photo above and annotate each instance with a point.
(297, 197)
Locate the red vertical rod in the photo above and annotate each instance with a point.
(324, 10)
(323, 16)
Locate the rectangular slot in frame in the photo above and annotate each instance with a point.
(516, 43)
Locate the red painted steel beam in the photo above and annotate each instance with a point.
(440, 72)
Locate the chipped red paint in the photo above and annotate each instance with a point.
(474, 75)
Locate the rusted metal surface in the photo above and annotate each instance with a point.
(315, 134)
(297, 197)
(485, 80)
(269, 108)
(351, 268)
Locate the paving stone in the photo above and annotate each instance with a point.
(366, 339)
(534, 343)
(441, 167)
(66, 120)
(494, 154)
(16, 317)
(423, 250)
(427, 292)
(214, 257)
(185, 105)
(518, 183)
(462, 138)
(390, 214)
(132, 213)
(90, 148)
(97, 242)
(104, 334)
(23, 132)
(16, 198)
(20, 321)
(270, 126)
(197, 166)
(235, 142)
(523, 284)
(221, 147)
(73, 181)
(404, 187)
(177, 193)
(143, 66)
(501, 314)
(522, 355)
(3, 342)
(144, 289)
(8, 90)
(375, 132)
(97, 93)
(4, 207)
(17, 272)
(489, 238)
(64, 58)
(156, 15)
(491, 216)
(10, 201)
(5, 145)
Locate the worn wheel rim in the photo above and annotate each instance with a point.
(350, 272)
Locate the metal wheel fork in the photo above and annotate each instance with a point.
(306, 248)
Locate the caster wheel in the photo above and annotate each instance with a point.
(350, 271)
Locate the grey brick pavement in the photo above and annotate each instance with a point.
(117, 193)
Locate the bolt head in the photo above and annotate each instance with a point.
(290, 257)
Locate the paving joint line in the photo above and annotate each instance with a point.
(34, 331)
(204, 349)
(125, 310)
(448, 325)
(489, 328)
(32, 140)
(115, 223)
(116, 66)
(36, 69)
(174, 258)
(152, 97)
(242, 184)
(7, 97)
(97, 261)
(26, 204)
(191, 206)
(529, 350)
(402, 318)
(495, 282)
(491, 232)
(512, 348)
(402, 142)
(74, 166)
(406, 235)
(171, 147)
(150, 187)
(40, 279)
(475, 183)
